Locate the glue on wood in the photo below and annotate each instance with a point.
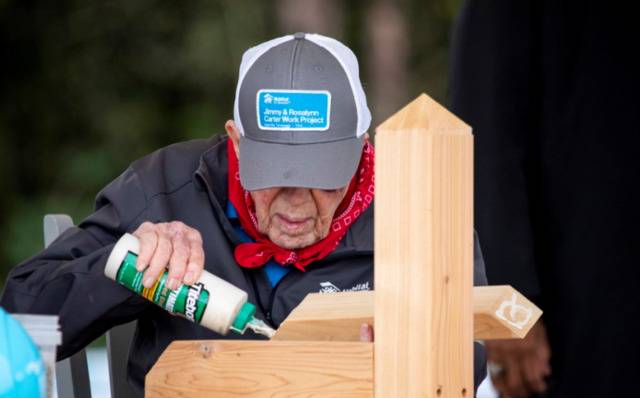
(211, 301)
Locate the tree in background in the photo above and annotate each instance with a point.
(88, 86)
(387, 57)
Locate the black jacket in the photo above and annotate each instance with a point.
(184, 182)
(551, 91)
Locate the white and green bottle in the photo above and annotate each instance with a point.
(211, 301)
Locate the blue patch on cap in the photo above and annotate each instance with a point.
(293, 110)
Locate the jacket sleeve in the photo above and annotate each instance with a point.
(479, 271)
(494, 89)
(67, 278)
(479, 279)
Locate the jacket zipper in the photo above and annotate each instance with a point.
(266, 309)
(272, 297)
(260, 304)
(274, 290)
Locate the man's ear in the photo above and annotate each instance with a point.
(234, 135)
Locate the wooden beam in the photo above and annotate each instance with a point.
(424, 254)
(501, 312)
(328, 317)
(232, 368)
(338, 316)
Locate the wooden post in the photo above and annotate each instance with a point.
(424, 325)
(424, 254)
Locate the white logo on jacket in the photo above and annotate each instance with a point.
(329, 287)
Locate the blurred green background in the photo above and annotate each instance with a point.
(89, 86)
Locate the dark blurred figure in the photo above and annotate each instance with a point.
(551, 89)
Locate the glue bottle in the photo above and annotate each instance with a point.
(211, 301)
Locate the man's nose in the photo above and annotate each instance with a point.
(297, 196)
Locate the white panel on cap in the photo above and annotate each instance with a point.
(349, 63)
(248, 59)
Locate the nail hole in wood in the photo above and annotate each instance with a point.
(205, 350)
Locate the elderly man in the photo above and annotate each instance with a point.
(280, 207)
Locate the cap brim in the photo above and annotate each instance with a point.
(327, 165)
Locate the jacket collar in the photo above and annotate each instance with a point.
(211, 177)
(212, 169)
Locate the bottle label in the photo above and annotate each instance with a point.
(187, 301)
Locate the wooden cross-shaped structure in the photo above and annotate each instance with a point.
(425, 309)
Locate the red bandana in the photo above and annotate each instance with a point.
(254, 255)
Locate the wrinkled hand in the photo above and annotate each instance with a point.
(525, 363)
(173, 245)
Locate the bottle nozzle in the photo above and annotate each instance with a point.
(245, 320)
(258, 326)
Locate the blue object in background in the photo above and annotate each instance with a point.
(22, 372)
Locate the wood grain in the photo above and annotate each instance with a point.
(424, 254)
(227, 368)
(501, 312)
(338, 316)
(328, 317)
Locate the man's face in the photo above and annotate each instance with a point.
(294, 218)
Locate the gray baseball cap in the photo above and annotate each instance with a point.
(301, 112)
